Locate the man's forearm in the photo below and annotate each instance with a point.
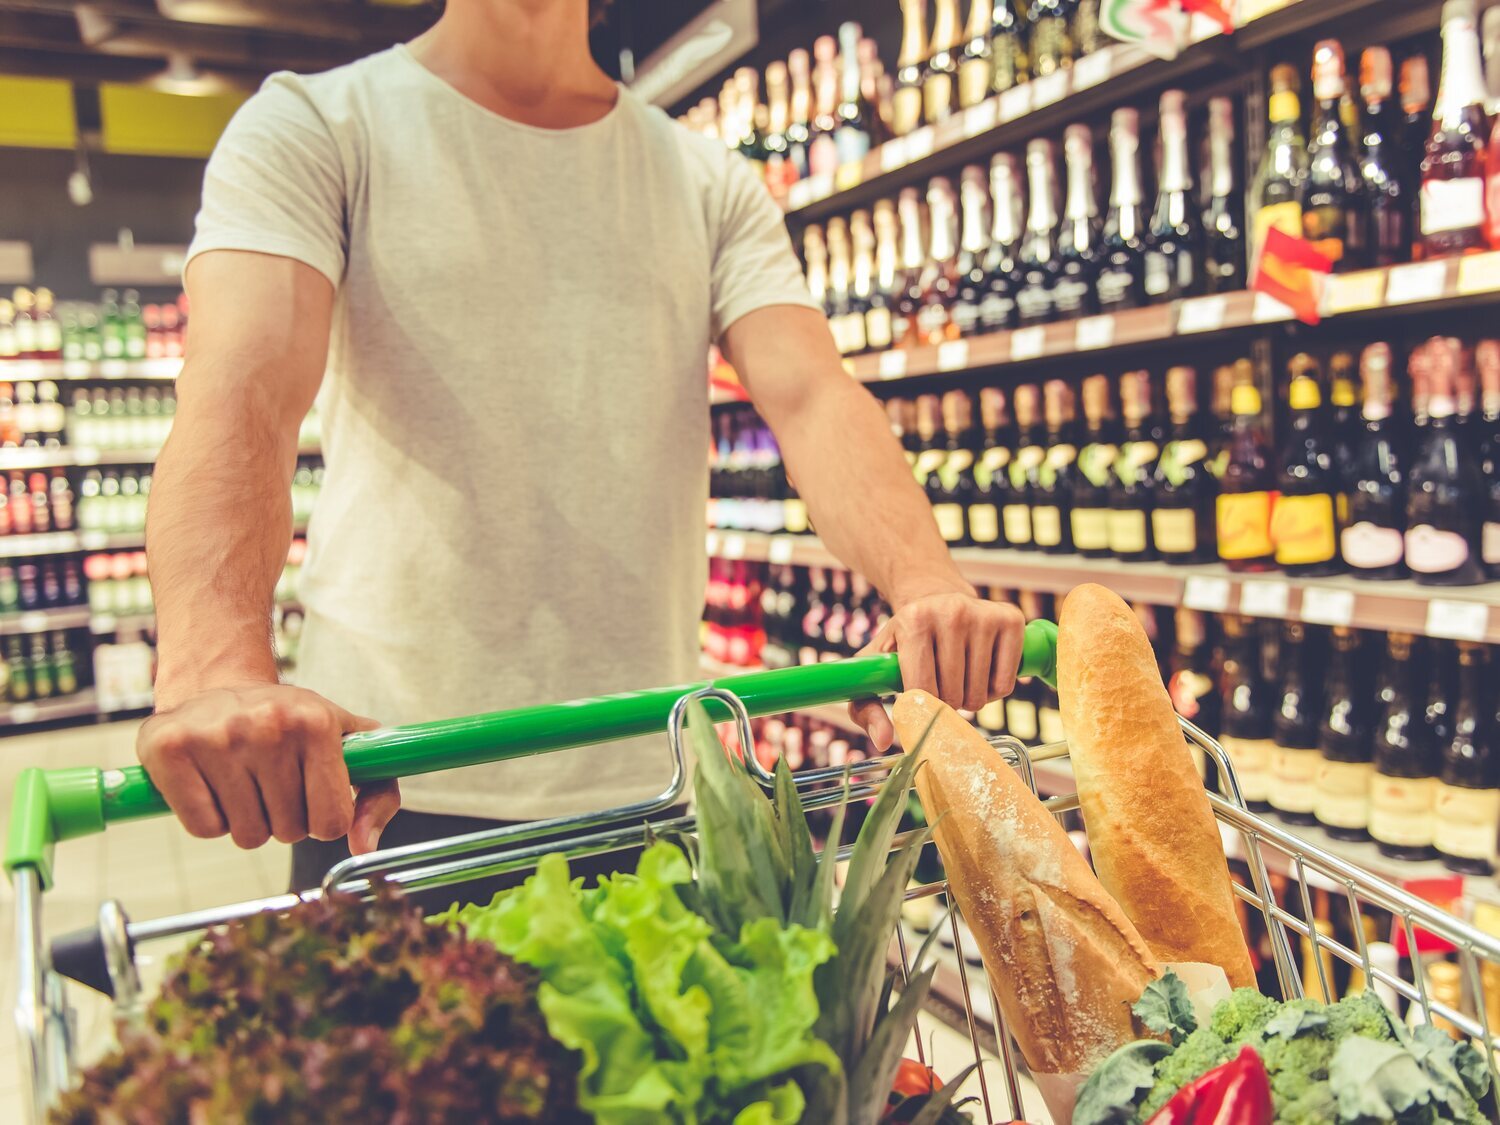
(217, 534)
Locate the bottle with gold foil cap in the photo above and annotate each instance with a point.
(1243, 511)
(1030, 453)
(1052, 480)
(1304, 520)
(1132, 494)
(1095, 470)
(1372, 541)
(1182, 520)
(940, 78)
(951, 486)
(991, 470)
(1278, 184)
(1467, 805)
(1341, 799)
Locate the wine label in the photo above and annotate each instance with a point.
(1430, 551)
(1492, 544)
(1452, 204)
(1467, 822)
(1401, 810)
(1021, 719)
(1303, 529)
(1127, 532)
(1368, 546)
(1097, 463)
(1059, 457)
(1027, 459)
(1342, 799)
(1178, 457)
(1049, 725)
(1175, 530)
(950, 521)
(1090, 529)
(1017, 520)
(1294, 776)
(878, 328)
(984, 524)
(995, 460)
(1133, 457)
(794, 515)
(1046, 525)
(954, 466)
(928, 462)
(996, 310)
(1244, 524)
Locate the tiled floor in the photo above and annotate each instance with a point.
(153, 868)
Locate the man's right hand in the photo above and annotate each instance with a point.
(257, 760)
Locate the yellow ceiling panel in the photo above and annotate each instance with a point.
(146, 122)
(36, 113)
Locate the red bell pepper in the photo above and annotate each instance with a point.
(1237, 1093)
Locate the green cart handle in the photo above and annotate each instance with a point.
(53, 805)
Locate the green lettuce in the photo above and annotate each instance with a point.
(675, 1021)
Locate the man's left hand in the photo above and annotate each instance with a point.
(957, 646)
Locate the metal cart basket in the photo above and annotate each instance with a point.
(61, 804)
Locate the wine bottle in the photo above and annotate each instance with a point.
(1454, 160)
(875, 89)
(939, 93)
(846, 322)
(1121, 283)
(1096, 468)
(906, 101)
(1174, 241)
(1467, 804)
(1373, 542)
(1332, 199)
(1246, 489)
(1487, 356)
(905, 332)
(752, 136)
(815, 263)
(1051, 36)
(1039, 265)
(885, 290)
(1304, 518)
(1088, 34)
(781, 173)
(862, 282)
(950, 486)
(799, 116)
(1222, 430)
(1343, 396)
(1415, 92)
(991, 476)
(972, 243)
(1224, 218)
(1007, 47)
(997, 304)
(1078, 250)
(1030, 453)
(1052, 481)
(976, 63)
(1247, 708)
(1445, 504)
(935, 323)
(1385, 169)
(1403, 793)
(1278, 184)
(1191, 684)
(932, 450)
(855, 132)
(1294, 728)
(1182, 521)
(1341, 800)
(1132, 493)
(823, 151)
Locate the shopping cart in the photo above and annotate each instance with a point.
(56, 805)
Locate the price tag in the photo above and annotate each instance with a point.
(1268, 308)
(1095, 332)
(893, 154)
(711, 544)
(953, 356)
(1093, 68)
(1264, 599)
(783, 549)
(1322, 606)
(1015, 102)
(113, 368)
(1420, 281)
(892, 364)
(919, 144)
(1201, 314)
(799, 195)
(1479, 273)
(1458, 621)
(104, 623)
(820, 186)
(85, 455)
(1206, 594)
(1028, 343)
(1052, 88)
(31, 622)
(98, 540)
(981, 118)
(1353, 292)
(734, 546)
(849, 175)
(77, 369)
(23, 713)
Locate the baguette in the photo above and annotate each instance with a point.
(1152, 834)
(1064, 961)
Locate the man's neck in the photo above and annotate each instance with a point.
(526, 60)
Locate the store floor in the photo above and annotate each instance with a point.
(154, 869)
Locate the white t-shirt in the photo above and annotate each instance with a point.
(515, 410)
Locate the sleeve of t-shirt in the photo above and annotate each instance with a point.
(275, 183)
(754, 265)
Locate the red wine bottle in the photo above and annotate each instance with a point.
(1373, 542)
(1445, 504)
(1454, 164)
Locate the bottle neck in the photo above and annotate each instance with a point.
(863, 268)
(913, 33)
(849, 60)
(1462, 81)
(1176, 172)
(1007, 218)
(1080, 205)
(1126, 190)
(943, 235)
(1221, 162)
(973, 235)
(1043, 216)
(911, 237)
(885, 259)
(945, 26)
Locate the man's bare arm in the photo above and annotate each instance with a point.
(839, 449)
(231, 748)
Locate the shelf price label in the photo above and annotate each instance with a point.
(1028, 343)
(93, 540)
(104, 623)
(848, 176)
(799, 195)
(711, 544)
(1352, 292)
(783, 549)
(734, 546)
(1095, 332)
(1051, 88)
(1419, 281)
(893, 154)
(981, 118)
(23, 713)
(1457, 621)
(1267, 309)
(1093, 68)
(919, 143)
(1264, 599)
(31, 622)
(953, 355)
(1479, 273)
(892, 364)
(1015, 102)
(1206, 593)
(1322, 606)
(1201, 314)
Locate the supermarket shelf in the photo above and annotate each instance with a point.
(84, 455)
(137, 369)
(67, 542)
(834, 714)
(106, 623)
(73, 706)
(44, 620)
(1468, 613)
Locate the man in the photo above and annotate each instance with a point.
(511, 270)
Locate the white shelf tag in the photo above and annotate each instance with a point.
(1028, 343)
(85, 455)
(23, 713)
(1206, 594)
(77, 369)
(919, 144)
(1458, 621)
(1264, 599)
(1420, 281)
(893, 154)
(799, 194)
(734, 546)
(1095, 332)
(1267, 309)
(31, 622)
(1322, 606)
(892, 364)
(1093, 68)
(1052, 88)
(1015, 102)
(953, 356)
(711, 544)
(114, 368)
(981, 118)
(104, 623)
(98, 540)
(1201, 314)
(783, 549)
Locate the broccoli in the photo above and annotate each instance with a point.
(1242, 1016)
(1200, 1052)
(1360, 1014)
